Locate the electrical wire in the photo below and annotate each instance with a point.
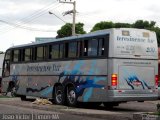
(24, 27)
(28, 19)
(35, 15)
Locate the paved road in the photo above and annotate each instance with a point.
(122, 112)
(15, 111)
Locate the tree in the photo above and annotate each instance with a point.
(66, 30)
(141, 24)
(107, 25)
(144, 24)
(102, 25)
(124, 25)
(149, 26)
(157, 30)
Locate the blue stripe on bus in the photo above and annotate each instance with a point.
(47, 91)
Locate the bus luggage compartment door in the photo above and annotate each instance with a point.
(136, 77)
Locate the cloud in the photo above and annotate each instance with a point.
(29, 14)
(22, 10)
(34, 13)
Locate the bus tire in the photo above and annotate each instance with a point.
(23, 97)
(59, 95)
(13, 92)
(90, 104)
(110, 105)
(71, 96)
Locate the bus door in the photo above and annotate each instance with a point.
(6, 72)
(6, 68)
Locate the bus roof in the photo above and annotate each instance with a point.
(91, 34)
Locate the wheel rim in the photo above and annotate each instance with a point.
(71, 96)
(59, 96)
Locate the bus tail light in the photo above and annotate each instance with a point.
(114, 79)
(156, 80)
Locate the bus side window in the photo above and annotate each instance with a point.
(40, 53)
(27, 53)
(92, 47)
(101, 47)
(54, 51)
(72, 50)
(61, 51)
(85, 47)
(6, 64)
(15, 55)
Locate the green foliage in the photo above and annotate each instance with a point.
(157, 30)
(120, 25)
(66, 30)
(102, 25)
(149, 26)
(140, 24)
(143, 24)
(79, 28)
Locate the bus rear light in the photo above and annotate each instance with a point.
(156, 80)
(114, 79)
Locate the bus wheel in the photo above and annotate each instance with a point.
(13, 92)
(71, 96)
(23, 97)
(110, 105)
(59, 95)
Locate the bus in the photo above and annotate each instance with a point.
(108, 66)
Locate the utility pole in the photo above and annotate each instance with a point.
(74, 15)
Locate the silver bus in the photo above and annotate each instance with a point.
(107, 66)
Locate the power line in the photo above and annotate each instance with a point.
(37, 13)
(31, 17)
(57, 16)
(25, 27)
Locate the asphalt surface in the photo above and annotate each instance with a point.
(14, 110)
(124, 111)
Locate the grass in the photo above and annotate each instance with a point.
(2, 96)
(5, 97)
(153, 113)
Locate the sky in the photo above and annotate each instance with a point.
(21, 21)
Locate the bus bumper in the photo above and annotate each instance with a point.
(119, 96)
(131, 95)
